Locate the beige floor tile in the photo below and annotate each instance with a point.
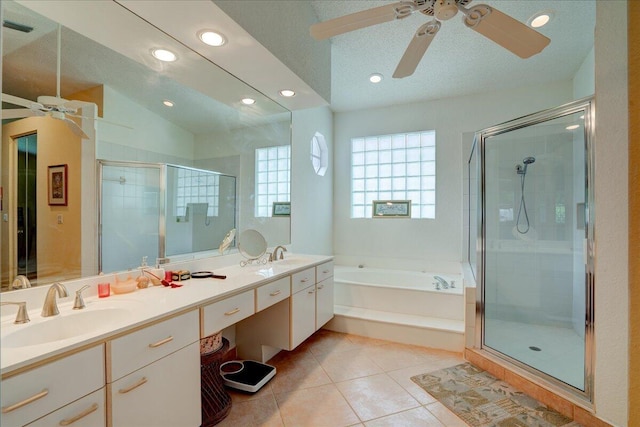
(324, 341)
(394, 356)
(322, 406)
(418, 417)
(297, 375)
(376, 396)
(445, 415)
(238, 396)
(261, 411)
(403, 377)
(347, 365)
(365, 341)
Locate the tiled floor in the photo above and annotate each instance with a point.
(336, 379)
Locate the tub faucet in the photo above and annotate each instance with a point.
(50, 307)
(442, 282)
(274, 255)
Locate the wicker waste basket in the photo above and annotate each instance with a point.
(216, 401)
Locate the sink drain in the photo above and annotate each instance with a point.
(534, 348)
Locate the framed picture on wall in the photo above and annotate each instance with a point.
(57, 185)
(281, 209)
(391, 209)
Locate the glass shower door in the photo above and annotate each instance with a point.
(535, 227)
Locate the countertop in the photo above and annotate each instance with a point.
(140, 307)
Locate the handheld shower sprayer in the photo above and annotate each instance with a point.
(521, 169)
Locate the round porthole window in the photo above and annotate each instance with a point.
(319, 154)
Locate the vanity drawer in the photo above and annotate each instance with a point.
(324, 271)
(226, 312)
(147, 345)
(32, 394)
(302, 279)
(271, 293)
(86, 412)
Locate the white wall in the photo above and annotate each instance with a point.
(311, 195)
(611, 186)
(424, 244)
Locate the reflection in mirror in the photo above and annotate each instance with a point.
(207, 128)
(252, 244)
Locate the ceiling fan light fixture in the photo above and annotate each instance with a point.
(248, 101)
(376, 78)
(164, 55)
(541, 19)
(287, 93)
(445, 9)
(212, 38)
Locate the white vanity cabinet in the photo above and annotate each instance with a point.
(88, 411)
(218, 315)
(28, 396)
(303, 318)
(154, 375)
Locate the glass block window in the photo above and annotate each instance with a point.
(394, 167)
(196, 186)
(273, 178)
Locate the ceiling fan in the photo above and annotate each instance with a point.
(486, 20)
(52, 106)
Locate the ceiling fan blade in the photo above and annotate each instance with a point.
(100, 119)
(504, 30)
(20, 113)
(14, 100)
(416, 49)
(365, 18)
(75, 104)
(75, 128)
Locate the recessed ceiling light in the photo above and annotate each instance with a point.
(541, 18)
(212, 38)
(168, 103)
(375, 78)
(287, 93)
(572, 127)
(248, 101)
(164, 55)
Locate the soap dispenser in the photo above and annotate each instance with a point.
(142, 280)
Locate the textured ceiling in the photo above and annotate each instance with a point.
(458, 62)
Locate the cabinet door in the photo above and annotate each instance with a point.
(324, 302)
(164, 393)
(303, 315)
(86, 412)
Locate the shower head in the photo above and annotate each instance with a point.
(522, 170)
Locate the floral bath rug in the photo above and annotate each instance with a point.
(481, 400)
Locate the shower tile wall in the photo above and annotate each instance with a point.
(535, 280)
(130, 212)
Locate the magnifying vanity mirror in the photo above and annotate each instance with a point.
(252, 246)
(125, 113)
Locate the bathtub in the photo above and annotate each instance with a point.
(399, 305)
(414, 280)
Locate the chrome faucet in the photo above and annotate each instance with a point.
(442, 282)
(20, 282)
(21, 316)
(50, 307)
(79, 304)
(274, 255)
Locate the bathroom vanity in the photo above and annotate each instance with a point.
(135, 358)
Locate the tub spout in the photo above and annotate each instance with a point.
(442, 282)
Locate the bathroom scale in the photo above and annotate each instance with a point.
(246, 375)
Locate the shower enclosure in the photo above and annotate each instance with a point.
(157, 210)
(530, 188)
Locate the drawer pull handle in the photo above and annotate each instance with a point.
(304, 280)
(81, 415)
(26, 401)
(312, 291)
(159, 343)
(142, 380)
(234, 311)
(320, 287)
(273, 294)
(325, 271)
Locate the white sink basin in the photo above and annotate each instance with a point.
(288, 262)
(67, 325)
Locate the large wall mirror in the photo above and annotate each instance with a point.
(49, 225)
